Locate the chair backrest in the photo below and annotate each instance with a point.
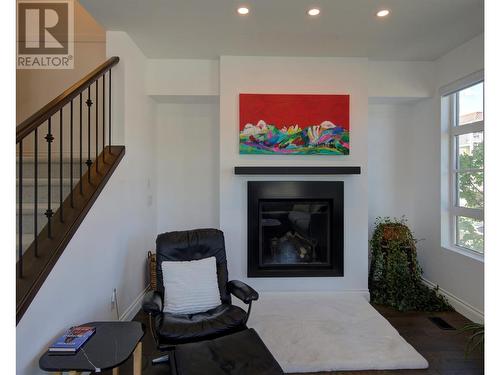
(193, 245)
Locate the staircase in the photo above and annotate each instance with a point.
(28, 197)
(64, 159)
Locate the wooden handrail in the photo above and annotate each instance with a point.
(42, 115)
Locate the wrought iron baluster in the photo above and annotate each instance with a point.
(20, 210)
(49, 138)
(103, 116)
(35, 217)
(97, 125)
(109, 111)
(81, 147)
(71, 153)
(89, 161)
(61, 215)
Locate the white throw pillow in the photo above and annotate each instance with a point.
(190, 287)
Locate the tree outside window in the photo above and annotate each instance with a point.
(468, 172)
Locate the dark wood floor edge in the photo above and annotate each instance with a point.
(23, 300)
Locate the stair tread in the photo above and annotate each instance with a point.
(43, 158)
(43, 181)
(28, 208)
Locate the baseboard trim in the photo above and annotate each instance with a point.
(134, 308)
(458, 304)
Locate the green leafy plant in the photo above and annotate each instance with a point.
(471, 193)
(471, 184)
(395, 276)
(476, 338)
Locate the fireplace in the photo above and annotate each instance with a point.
(295, 228)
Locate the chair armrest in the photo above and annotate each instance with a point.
(242, 291)
(152, 303)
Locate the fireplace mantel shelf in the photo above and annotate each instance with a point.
(261, 170)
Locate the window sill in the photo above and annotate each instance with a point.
(468, 253)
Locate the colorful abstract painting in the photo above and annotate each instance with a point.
(294, 124)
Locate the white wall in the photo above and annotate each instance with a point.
(404, 173)
(294, 75)
(459, 276)
(390, 161)
(401, 79)
(385, 79)
(107, 251)
(182, 77)
(460, 62)
(405, 177)
(187, 144)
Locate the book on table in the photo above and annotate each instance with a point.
(72, 340)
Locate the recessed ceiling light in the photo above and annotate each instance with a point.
(383, 13)
(243, 10)
(313, 12)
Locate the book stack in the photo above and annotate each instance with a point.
(72, 340)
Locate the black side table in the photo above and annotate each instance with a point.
(110, 346)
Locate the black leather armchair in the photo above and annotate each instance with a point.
(169, 329)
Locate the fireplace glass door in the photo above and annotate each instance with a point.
(294, 232)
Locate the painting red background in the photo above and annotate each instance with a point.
(291, 109)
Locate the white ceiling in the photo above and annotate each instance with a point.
(415, 30)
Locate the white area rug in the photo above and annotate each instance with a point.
(310, 332)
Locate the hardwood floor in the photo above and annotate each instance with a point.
(443, 349)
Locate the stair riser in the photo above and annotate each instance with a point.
(43, 193)
(29, 170)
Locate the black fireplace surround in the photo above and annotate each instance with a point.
(295, 228)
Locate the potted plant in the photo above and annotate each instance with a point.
(395, 277)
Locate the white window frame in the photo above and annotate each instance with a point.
(449, 149)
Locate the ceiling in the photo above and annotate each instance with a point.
(418, 30)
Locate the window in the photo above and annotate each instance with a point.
(466, 167)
